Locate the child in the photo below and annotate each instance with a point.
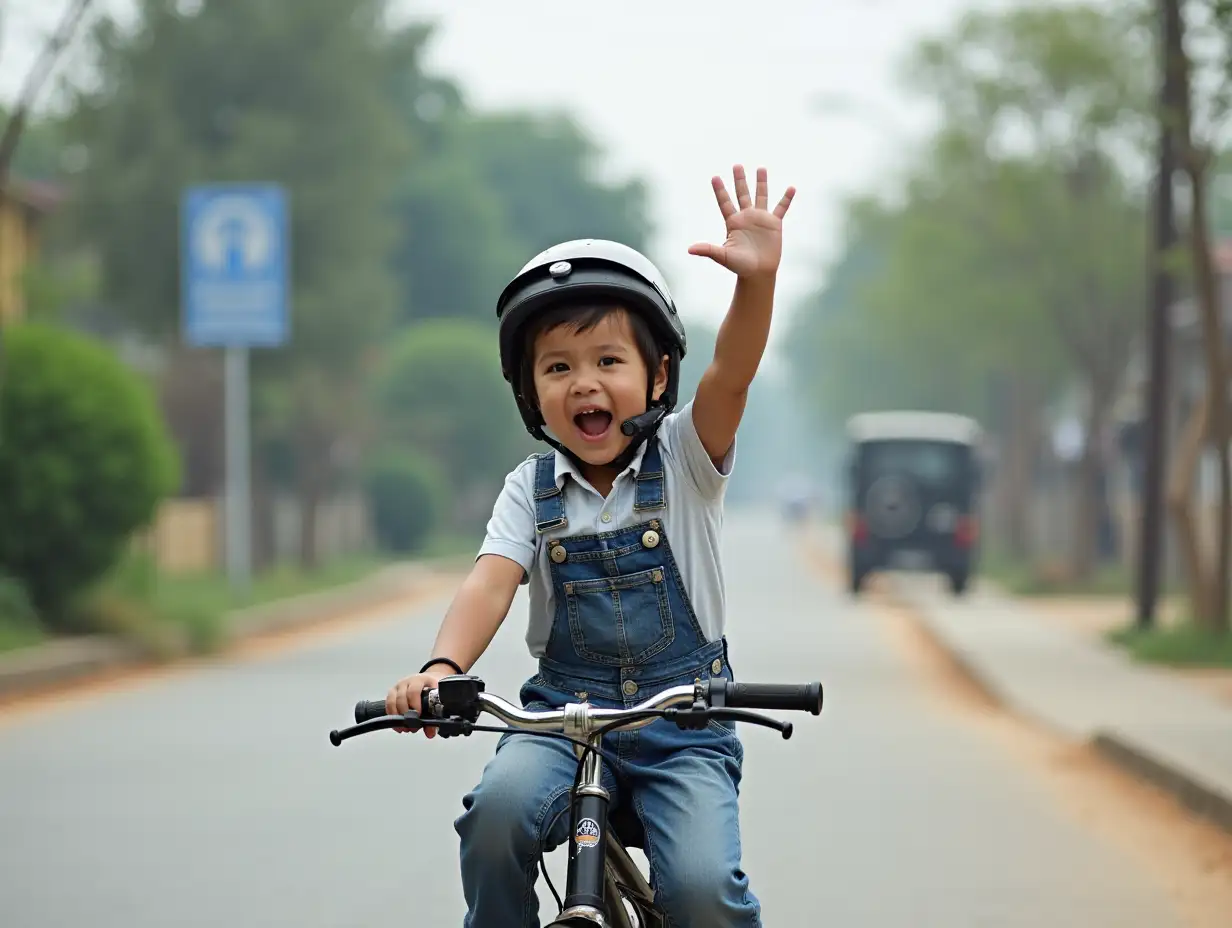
(617, 533)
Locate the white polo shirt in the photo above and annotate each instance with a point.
(693, 522)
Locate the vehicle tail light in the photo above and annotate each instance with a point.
(966, 531)
(857, 527)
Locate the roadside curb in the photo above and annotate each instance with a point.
(1186, 787)
(59, 664)
(46, 666)
(1198, 797)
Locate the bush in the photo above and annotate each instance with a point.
(84, 462)
(19, 624)
(15, 606)
(404, 496)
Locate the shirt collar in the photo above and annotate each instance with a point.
(566, 467)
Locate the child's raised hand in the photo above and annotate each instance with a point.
(754, 242)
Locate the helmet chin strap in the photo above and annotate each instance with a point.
(639, 428)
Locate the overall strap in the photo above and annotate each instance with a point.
(650, 479)
(549, 500)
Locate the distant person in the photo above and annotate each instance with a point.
(617, 532)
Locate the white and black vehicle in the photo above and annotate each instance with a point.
(913, 494)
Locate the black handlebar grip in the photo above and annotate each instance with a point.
(367, 709)
(802, 697)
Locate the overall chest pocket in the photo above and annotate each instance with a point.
(620, 620)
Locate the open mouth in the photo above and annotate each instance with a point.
(593, 423)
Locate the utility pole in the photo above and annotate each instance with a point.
(1151, 533)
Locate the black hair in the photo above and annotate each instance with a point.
(582, 317)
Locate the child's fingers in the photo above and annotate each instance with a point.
(720, 194)
(742, 187)
(763, 189)
(713, 252)
(781, 209)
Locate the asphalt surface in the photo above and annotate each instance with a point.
(212, 797)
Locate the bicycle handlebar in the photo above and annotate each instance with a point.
(459, 700)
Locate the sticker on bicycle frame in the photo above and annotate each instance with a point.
(587, 833)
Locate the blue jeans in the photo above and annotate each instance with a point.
(685, 786)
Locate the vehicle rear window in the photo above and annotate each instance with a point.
(928, 461)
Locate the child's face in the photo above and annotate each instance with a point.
(588, 382)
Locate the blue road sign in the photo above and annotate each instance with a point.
(234, 265)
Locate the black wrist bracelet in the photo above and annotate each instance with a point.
(441, 660)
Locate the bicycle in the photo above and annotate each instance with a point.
(604, 886)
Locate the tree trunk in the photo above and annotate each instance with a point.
(311, 490)
(1180, 507)
(1207, 295)
(263, 516)
(1019, 475)
(1196, 161)
(1091, 489)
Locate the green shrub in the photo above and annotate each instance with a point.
(16, 610)
(84, 462)
(404, 494)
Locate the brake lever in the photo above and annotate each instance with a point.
(697, 718)
(747, 715)
(411, 721)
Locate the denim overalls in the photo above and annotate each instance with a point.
(623, 630)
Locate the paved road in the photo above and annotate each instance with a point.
(213, 798)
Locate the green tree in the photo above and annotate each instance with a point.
(1041, 104)
(457, 250)
(847, 360)
(492, 190)
(404, 495)
(40, 152)
(303, 100)
(544, 169)
(440, 394)
(1013, 255)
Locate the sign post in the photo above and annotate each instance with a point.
(234, 276)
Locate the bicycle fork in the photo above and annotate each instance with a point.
(584, 898)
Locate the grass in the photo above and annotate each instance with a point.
(170, 615)
(212, 590)
(167, 616)
(1183, 645)
(14, 634)
(1023, 578)
(19, 625)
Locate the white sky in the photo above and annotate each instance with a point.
(678, 91)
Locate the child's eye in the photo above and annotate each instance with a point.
(558, 368)
(608, 360)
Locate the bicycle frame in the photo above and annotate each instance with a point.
(624, 880)
(600, 871)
